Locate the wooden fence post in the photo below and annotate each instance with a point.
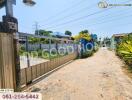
(7, 62)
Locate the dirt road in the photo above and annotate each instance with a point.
(99, 77)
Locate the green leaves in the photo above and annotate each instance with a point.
(124, 49)
(43, 32)
(68, 33)
(83, 35)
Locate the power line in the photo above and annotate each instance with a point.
(104, 17)
(98, 17)
(111, 20)
(71, 14)
(64, 10)
(118, 25)
(80, 18)
(83, 17)
(116, 19)
(95, 13)
(36, 28)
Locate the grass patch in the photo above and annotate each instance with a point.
(127, 70)
(109, 49)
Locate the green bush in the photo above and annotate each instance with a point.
(124, 49)
(87, 54)
(22, 50)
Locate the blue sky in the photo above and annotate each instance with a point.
(61, 15)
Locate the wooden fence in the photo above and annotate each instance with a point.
(7, 66)
(30, 74)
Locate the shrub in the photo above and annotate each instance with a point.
(124, 49)
(87, 54)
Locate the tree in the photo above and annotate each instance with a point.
(84, 31)
(124, 49)
(83, 35)
(68, 33)
(94, 37)
(33, 40)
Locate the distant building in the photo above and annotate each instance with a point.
(116, 39)
(61, 35)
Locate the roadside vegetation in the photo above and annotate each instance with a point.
(39, 52)
(124, 51)
(88, 42)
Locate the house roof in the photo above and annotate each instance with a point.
(62, 35)
(119, 35)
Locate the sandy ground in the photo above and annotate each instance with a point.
(99, 77)
(33, 61)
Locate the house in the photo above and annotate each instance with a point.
(116, 39)
(61, 35)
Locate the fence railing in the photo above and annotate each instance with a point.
(35, 49)
(41, 54)
(32, 47)
(30, 74)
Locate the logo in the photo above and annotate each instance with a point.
(104, 4)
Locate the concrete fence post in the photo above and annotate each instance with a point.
(7, 62)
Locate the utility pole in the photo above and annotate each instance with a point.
(9, 44)
(9, 8)
(36, 28)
